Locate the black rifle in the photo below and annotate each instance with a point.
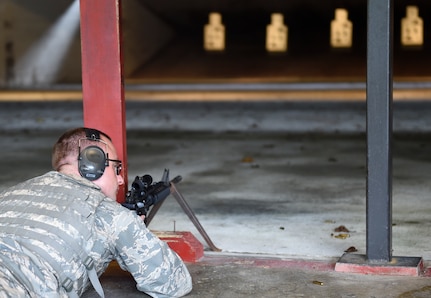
(144, 193)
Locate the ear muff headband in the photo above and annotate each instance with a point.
(92, 161)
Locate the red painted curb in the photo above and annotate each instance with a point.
(184, 244)
(267, 262)
(401, 266)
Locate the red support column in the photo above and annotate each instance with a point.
(102, 74)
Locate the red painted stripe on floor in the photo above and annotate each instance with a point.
(256, 261)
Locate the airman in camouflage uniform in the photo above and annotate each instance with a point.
(59, 231)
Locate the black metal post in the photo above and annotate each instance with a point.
(379, 130)
(379, 259)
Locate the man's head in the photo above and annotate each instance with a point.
(89, 153)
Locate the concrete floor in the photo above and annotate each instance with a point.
(269, 182)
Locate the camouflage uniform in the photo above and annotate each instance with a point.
(55, 230)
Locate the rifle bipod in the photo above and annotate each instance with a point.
(186, 208)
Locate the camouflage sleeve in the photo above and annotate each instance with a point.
(157, 270)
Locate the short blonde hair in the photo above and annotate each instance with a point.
(67, 146)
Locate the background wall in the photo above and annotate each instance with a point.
(27, 23)
(162, 42)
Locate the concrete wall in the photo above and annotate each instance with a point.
(25, 24)
(151, 26)
(144, 34)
